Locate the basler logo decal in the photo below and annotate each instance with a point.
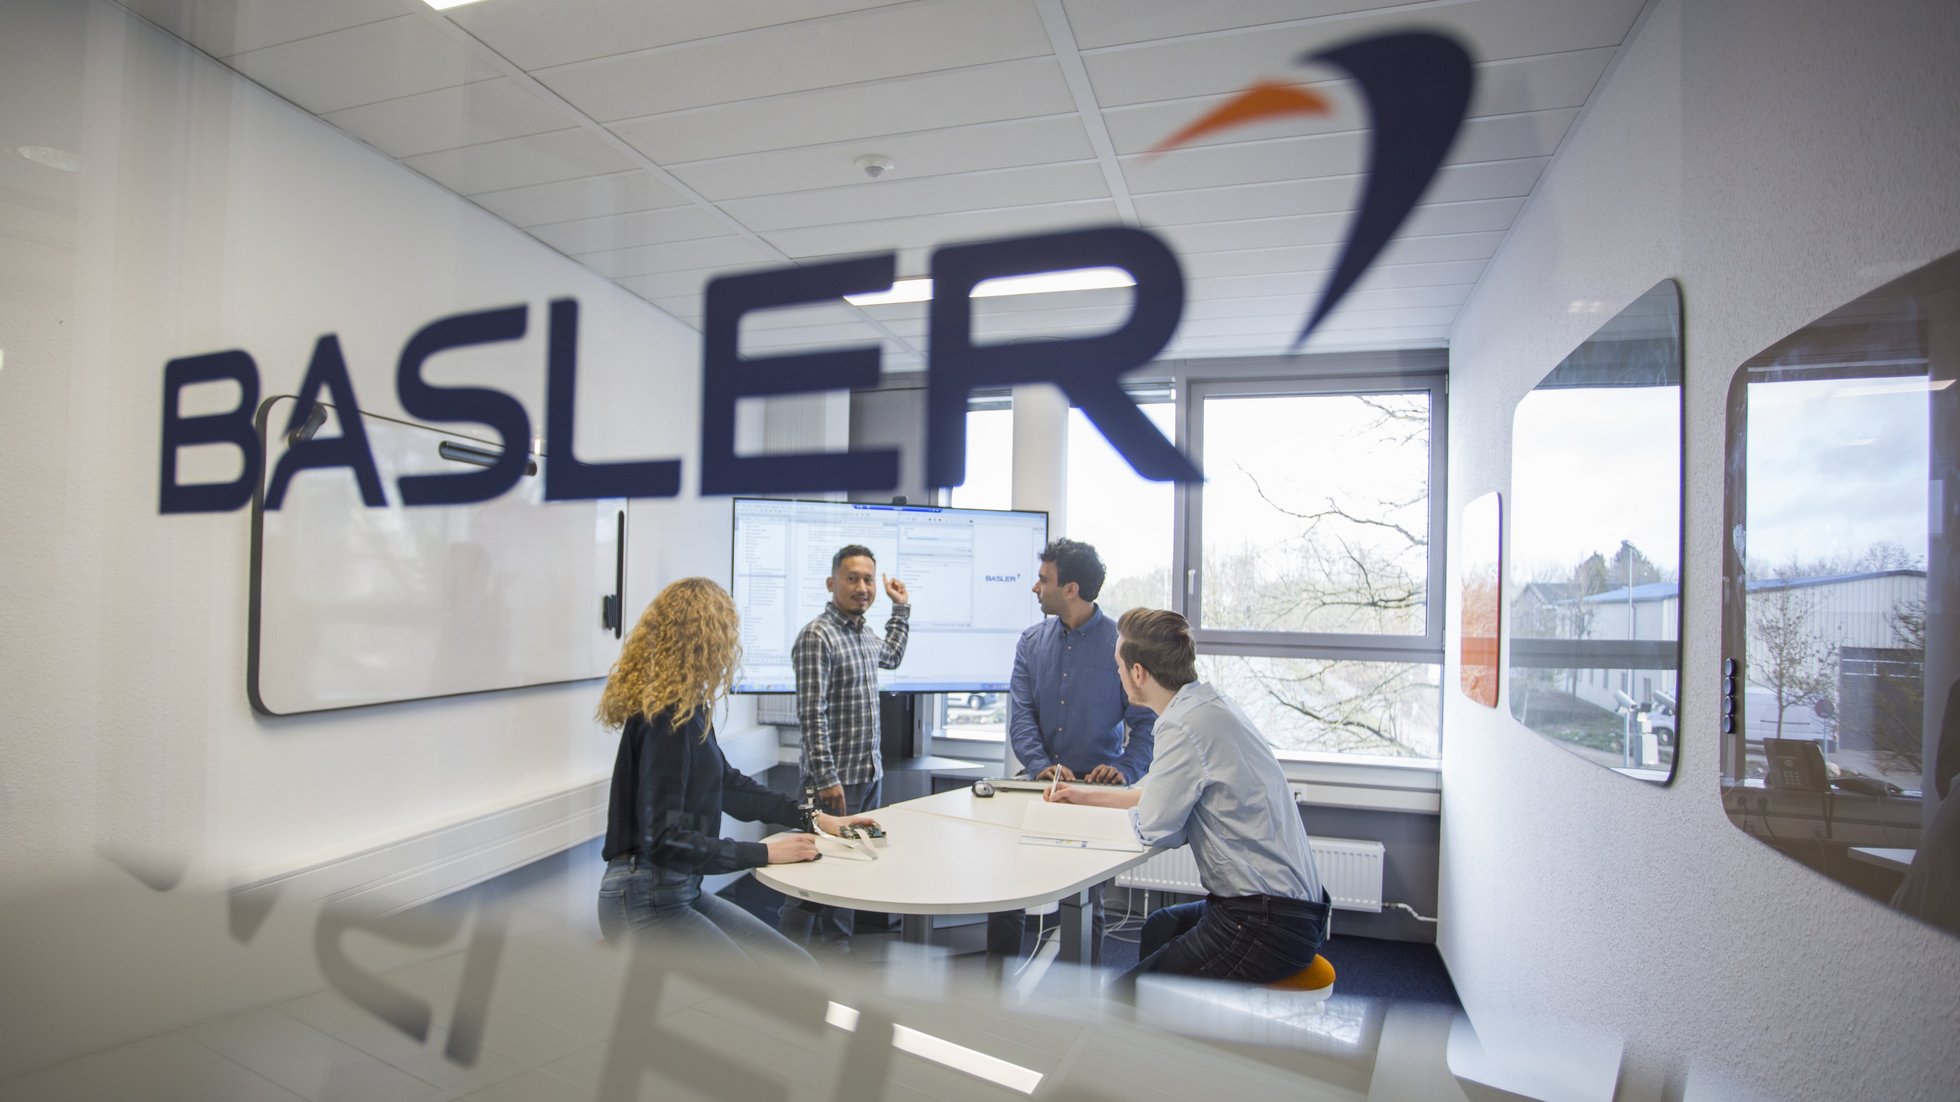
(1416, 86)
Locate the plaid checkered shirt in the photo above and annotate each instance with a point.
(837, 662)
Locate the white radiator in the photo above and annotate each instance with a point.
(776, 708)
(1350, 869)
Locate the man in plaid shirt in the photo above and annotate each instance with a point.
(837, 661)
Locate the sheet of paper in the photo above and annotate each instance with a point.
(1049, 824)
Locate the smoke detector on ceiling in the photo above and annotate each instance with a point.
(875, 164)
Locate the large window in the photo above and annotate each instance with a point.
(1309, 561)
(1313, 560)
(1126, 518)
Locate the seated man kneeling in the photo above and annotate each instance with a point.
(1215, 784)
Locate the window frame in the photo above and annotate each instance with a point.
(1359, 373)
(1364, 372)
(1188, 535)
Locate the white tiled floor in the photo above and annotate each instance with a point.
(554, 1018)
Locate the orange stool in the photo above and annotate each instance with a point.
(1316, 980)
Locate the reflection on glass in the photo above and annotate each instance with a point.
(1596, 544)
(1380, 709)
(1480, 540)
(1316, 513)
(1845, 736)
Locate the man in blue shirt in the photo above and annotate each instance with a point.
(1067, 716)
(1218, 787)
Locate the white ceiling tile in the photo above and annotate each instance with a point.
(620, 231)
(1260, 262)
(808, 338)
(1432, 274)
(1310, 258)
(692, 281)
(870, 45)
(1286, 326)
(711, 252)
(931, 101)
(891, 198)
(686, 308)
(911, 328)
(1443, 279)
(1455, 183)
(1199, 304)
(1489, 29)
(1454, 246)
(517, 162)
(1323, 340)
(1258, 233)
(1111, 22)
(537, 33)
(1503, 88)
(585, 197)
(939, 229)
(1499, 138)
(468, 114)
(803, 316)
(225, 27)
(1539, 83)
(934, 153)
(365, 64)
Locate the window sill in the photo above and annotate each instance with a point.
(1412, 786)
(1375, 784)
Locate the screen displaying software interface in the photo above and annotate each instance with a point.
(970, 574)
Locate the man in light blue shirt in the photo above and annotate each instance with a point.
(1216, 785)
(1067, 715)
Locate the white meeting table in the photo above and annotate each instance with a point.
(955, 853)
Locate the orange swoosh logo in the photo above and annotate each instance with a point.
(1265, 100)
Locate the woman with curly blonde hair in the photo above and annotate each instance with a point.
(671, 784)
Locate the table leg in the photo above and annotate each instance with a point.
(915, 929)
(1076, 917)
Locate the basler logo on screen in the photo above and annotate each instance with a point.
(1416, 86)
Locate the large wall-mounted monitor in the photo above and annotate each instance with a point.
(970, 574)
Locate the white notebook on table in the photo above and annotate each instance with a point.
(1075, 826)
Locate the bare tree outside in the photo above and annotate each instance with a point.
(1326, 535)
(1786, 654)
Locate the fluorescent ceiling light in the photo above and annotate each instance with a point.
(941, 1051)
(1038, 283)
(444, 5)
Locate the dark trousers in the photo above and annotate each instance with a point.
(1256, 939)
(1004, 929)
(814, 926)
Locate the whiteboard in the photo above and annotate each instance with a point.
(353, 606)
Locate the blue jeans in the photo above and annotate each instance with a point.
(641, 900)
(814, 926)
(1255, 939)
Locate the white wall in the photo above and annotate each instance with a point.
(210, 215)
(1778, 157)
